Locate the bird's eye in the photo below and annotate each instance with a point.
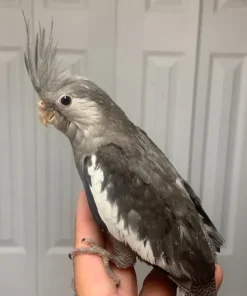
(65, 100)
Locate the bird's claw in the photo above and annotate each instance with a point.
(89, 241)
(96, 250)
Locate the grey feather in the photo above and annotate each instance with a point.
(42, 64)
(213, 233)
(170, 222)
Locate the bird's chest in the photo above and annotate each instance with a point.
(117, 221)
(103, 210)
(108, 211)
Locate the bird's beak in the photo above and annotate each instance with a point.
(46, 116)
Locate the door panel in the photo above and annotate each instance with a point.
(155, 71)
(155, 68)
(17, 149)
(218, 159)
(87, 51)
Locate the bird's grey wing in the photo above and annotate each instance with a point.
(156, 162)
(164, 231)
(213, 233)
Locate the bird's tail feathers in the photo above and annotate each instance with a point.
(200, 289)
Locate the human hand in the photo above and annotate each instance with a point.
(90, 277)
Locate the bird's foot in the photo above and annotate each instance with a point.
(96, 250)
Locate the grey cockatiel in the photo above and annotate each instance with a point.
(135, 194)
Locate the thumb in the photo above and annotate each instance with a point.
(90, 277)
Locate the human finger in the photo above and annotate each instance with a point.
(90, 277)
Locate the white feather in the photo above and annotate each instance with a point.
(109, 214)
(179, 184)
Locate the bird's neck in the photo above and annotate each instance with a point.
(84, 140)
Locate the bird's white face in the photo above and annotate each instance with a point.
(64, 107)
(55, 112)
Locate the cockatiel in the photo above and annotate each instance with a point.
(134, 192)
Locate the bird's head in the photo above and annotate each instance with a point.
(65, 100)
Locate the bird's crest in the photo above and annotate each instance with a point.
(41, 61)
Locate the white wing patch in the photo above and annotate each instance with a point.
(179, 183)
(109, 214)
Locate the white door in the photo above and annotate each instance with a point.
(218, 171)
(82, 46)
(155, 69)
(177, 67)
(17, 160)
